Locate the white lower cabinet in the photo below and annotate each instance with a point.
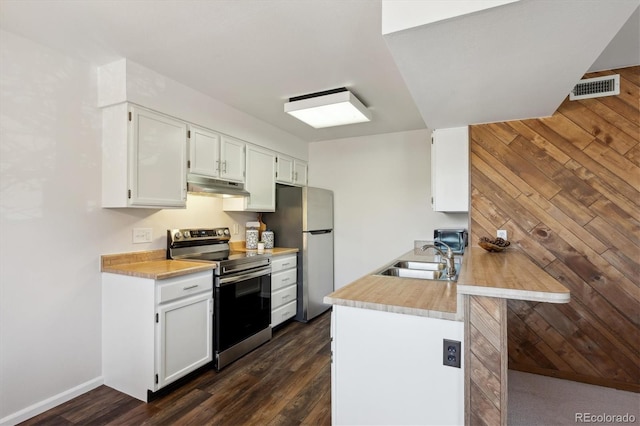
(284, 289)
(387, 369)
(155, 331)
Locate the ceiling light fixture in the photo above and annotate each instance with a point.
(330, 108)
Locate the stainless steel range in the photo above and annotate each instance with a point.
(242, 290)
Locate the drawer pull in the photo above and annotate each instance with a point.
(285, 296)
(190, 287)
(285, 279)
(285, 264)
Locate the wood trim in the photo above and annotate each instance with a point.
(486, 356)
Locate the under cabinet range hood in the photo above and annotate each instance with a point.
(218, 188)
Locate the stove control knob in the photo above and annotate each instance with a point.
(226, 231)
(220, 232)
(177, 236)
(186, 234)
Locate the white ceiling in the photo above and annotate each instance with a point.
(515, 61)
(255, 54)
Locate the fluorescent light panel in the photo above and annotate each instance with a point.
(333, 109)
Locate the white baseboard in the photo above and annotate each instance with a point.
(49, 403)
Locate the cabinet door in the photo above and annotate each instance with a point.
(260, 179)
(284, 169)
(450, 169)
(158, 159)
(300, 173)
(204, 152)
(232, 159)
(387, 369)
(184, 337)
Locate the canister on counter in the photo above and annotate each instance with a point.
(267, 238)
(251, 236)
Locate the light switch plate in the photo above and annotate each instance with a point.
(142, 235)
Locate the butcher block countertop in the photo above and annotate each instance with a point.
(154, 264)
(435, 299)
(507, 275)
(151, 264)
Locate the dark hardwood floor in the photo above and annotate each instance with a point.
(286, 381)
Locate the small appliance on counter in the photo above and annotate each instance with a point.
(456, 238)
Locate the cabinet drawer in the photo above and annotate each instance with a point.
(284, 296)
(283, 313)
(281, 263)
(175, 288)
(283, 279)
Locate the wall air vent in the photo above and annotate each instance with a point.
(596, 87)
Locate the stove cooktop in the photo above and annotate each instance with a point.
(207, 245)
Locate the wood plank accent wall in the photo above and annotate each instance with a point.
(566, 188)
(485, 361)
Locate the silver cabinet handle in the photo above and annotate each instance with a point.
(190, 287)
(218, 166)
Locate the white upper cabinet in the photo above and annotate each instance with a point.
(144, 162)
(291, 171)
(204, 152)
(216, 156)
(232, 159)
(284, 169)
(300, 170)
(450, 169)
(260, 182)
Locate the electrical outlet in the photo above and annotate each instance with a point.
(451, 355)
(502, 233)
(142, 235)
(234, 229)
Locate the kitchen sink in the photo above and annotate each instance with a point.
(423, 270)
(414, 273)
(427, 266)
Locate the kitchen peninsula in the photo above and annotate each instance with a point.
(401, 322)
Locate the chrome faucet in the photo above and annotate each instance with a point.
(448, 257)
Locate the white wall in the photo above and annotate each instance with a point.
(382, 192)
(54, 230)
(125, 80)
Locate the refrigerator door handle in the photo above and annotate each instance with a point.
(323, 231)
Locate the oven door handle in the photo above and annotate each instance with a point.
(242, 277)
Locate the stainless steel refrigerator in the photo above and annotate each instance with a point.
(304, 219)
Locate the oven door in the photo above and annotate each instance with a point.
(242, 306)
